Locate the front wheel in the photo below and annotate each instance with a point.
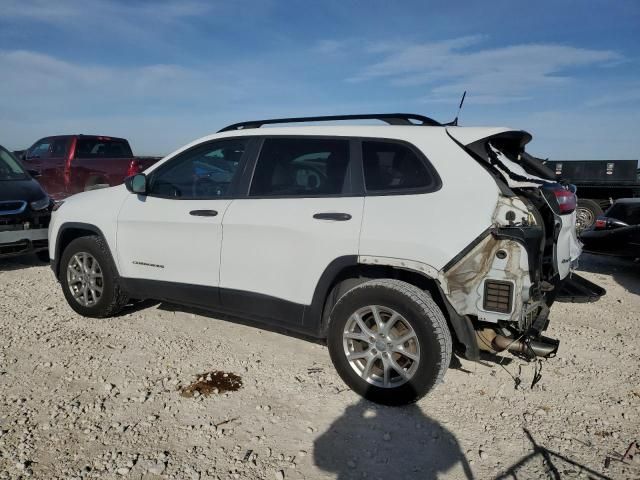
(89, 278)
(389, 341)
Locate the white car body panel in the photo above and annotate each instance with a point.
(158, 239)
(567, 248)
(98, 208)
(275, 247)
(439, 230)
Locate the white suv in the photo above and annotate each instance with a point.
(397, 243)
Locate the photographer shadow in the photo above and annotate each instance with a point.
(375, 442)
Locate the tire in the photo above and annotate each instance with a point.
(586, 213)
(430, 345)
(43, 256)
(111, 299)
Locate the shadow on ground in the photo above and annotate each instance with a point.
(18, 263)
(374, 442)
(554, 465)
(625, 272)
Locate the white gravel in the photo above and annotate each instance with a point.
(82, 398)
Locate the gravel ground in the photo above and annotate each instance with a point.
(83, 398)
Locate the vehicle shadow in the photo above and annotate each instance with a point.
(376, 442)
(624, 271)
(19, 263)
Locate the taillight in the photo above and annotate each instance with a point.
(134, 168)
(566, 200)
(601, 223)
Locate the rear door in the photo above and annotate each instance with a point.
(174, 233)
(300, 214)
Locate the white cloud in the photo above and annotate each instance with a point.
(449, 67)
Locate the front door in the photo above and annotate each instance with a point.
(299, 216)
(48, 156)
(174, 233)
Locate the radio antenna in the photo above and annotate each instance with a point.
(455, 120)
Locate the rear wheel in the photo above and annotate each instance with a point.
(89, 278)
(389, 341)
(586, 213)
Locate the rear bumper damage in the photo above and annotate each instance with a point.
(497, 284)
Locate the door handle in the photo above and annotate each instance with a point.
(203, 213)
(338, 217)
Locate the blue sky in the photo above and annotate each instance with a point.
(163, 73)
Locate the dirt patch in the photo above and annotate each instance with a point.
(212, 382)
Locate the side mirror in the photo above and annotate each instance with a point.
(34, 173)
(137, 183)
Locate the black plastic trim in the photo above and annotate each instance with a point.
(55, 256)
(531, 238)
(314, 315)
(462, 326)
(476, 241)
(336, 217)
(389, 118)
(204, 213)
(252, 306)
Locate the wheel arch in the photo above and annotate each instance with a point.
(68, 232)
(344, 273)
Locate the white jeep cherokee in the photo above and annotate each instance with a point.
(397, 243)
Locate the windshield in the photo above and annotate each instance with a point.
(10, 168)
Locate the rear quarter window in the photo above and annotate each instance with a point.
(394, 167)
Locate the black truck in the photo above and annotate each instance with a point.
(599, 183)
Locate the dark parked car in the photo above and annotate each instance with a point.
(25, 210)
(71, 164)
(599, 183)
(617, 232)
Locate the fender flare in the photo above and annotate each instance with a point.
(314, 317)
(55, 261)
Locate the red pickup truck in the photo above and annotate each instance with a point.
(70, 164)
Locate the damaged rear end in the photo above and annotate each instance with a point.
(506, 281)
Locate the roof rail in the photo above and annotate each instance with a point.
(390, 118)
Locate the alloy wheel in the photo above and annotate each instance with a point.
(381, 346)
(85, 279)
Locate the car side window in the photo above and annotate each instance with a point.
(301, 167)
(392, 166)
(40, 149)
(58, 148)
(204, 172)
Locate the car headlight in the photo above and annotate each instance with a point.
(41, 204)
